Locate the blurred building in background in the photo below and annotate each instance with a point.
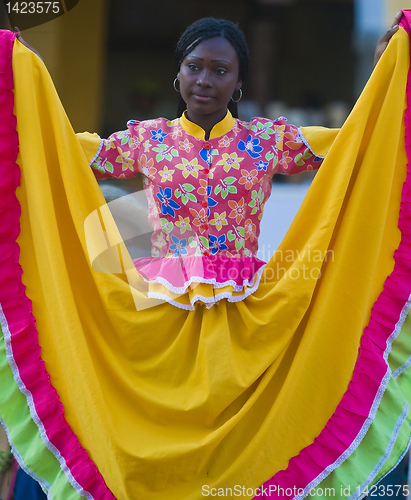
(112, 60)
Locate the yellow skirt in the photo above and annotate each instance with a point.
(124, 397)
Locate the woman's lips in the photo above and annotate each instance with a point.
(202, 98)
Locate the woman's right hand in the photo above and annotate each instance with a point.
(385, 39)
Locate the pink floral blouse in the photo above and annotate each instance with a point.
(206, 197)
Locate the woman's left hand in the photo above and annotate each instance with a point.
(384, 40)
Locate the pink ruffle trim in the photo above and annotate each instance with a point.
(18, 322)
(346, 427)
(177, 274)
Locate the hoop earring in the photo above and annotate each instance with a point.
(175, 85)
(239, 97)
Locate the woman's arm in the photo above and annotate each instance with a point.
(112, 157)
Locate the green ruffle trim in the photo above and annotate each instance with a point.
(386, 440)
(27, 444)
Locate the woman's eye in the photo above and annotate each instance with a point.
(221, 71)
(193, 67)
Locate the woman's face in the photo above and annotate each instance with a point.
(209, 76)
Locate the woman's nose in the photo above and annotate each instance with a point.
(203, 78)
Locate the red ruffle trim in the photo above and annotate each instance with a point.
(18, 322)
(371, 370)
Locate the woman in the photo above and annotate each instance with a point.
(207, 175)
(165, 403)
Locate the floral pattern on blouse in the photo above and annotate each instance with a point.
(206, 197)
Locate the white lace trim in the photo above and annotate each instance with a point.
(359, 491)
(304, 140)
(33, 412)
(98, 151)
(209, 301)
(393, 467)
(373, 411)
(44, 484)
(402, 368)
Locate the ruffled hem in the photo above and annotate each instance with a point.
(208, 296)
(178, 274)
(358, 407)
(17, 321)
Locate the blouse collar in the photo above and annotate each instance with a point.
(219, 129)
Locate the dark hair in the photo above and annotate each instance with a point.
(209, 28)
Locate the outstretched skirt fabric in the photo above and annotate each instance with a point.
(300, 387)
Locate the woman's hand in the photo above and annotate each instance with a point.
(384, 40)
(16, 30)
